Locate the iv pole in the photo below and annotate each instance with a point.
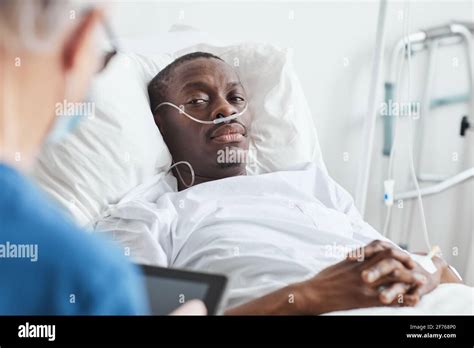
(369, 126)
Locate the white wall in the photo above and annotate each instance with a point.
(333, 44)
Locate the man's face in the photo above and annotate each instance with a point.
(207, 88)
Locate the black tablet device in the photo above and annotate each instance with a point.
(169, 288)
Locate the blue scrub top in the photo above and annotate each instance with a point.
(70, 273)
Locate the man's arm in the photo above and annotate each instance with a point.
(286, 301)
(339, 287)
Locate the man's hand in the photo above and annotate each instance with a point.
(385, 276)
(381, 270)
(434, 279)
(385, 279)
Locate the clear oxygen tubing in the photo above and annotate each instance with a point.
(175, 165)
(216, 121)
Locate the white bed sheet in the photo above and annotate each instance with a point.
(446, 299)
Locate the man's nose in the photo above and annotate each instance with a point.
(224, 109)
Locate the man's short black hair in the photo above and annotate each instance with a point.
(158, 85)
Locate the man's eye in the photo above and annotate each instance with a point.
(237, 99)
(197, 101)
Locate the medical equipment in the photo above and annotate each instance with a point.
(423, 39)
(434, 251)
(465, 125)
(388, 192)
(181, 110)
(369, 132)
(407, 46)
(430, 39)
(437, 188)
(191, 170)
(410, 136)
(426, 261)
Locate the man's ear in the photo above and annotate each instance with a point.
(80, 38)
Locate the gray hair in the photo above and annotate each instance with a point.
(35, 24)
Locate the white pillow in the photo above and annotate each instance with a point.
(120, 147)
(111, 153)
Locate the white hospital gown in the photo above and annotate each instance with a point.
(264, 232)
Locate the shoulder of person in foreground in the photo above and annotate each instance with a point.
(52, 266)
